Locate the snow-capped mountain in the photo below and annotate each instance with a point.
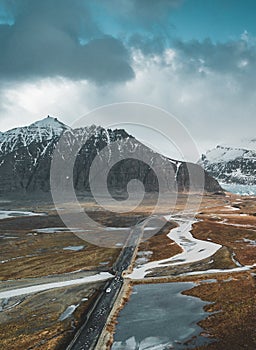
(26, 154)
(232, 163)
(41, 131)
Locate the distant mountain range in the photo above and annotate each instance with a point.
(26, 154)
(232, 163)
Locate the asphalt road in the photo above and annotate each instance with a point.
(88, 335)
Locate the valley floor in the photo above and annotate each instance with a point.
(216, 250)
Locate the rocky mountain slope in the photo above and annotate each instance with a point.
(26, 154)
(232, 163)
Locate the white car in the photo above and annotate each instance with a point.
(108, 290)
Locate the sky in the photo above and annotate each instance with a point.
(196, 59)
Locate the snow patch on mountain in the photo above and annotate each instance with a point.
(223, 154)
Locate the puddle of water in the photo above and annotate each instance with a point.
(159, 317)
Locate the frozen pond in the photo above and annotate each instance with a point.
(159, 317)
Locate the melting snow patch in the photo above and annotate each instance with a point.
(57, 230)
(68, 312)
(210, 280)
(74, 248)
(7, 214)
(231, 208)
(250, 241)
(47, 286)
(8, 237)
(51, 230)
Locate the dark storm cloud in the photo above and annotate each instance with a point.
(45, 41)
(237, 58)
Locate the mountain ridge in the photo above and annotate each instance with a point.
(26, 154)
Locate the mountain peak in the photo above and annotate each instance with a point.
(49, 122)
(43, 130)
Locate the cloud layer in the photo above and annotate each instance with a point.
(65, 57)
(44, 42)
